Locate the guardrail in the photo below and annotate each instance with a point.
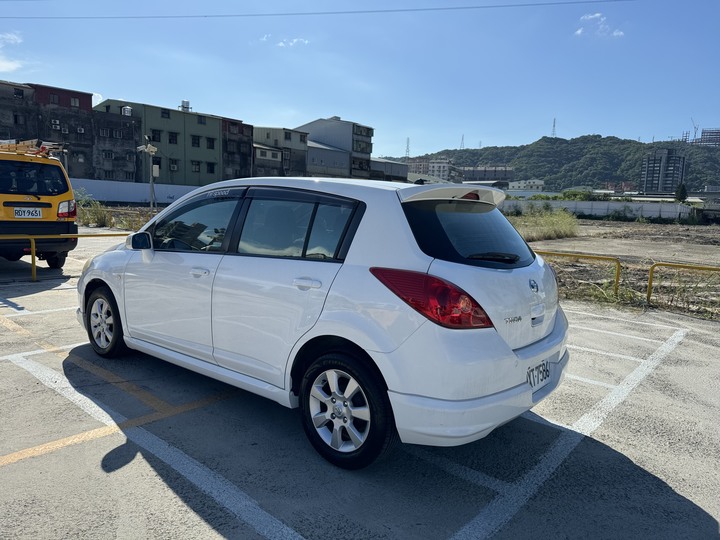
(34, 237)
(615, 260)
(676, 265)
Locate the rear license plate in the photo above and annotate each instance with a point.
(24, 213)
(539, 375)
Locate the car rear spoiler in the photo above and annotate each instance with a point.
(483, 194)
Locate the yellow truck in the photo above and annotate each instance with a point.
(36, 198)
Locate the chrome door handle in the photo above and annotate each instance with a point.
(305, 284)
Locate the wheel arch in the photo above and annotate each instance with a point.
(321, 345)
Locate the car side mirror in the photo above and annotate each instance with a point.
(139, 240)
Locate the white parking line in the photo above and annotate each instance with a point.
(224, 492)
(605, 353)
(589, 381)
(25, 312)
(504, 507)
(616, 319)
(616, 334)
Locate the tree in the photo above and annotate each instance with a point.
(681, 193)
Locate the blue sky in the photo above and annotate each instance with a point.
(494, 75)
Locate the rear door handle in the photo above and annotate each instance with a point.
(305, 284)
(197, 272)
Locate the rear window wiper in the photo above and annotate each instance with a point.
(495, 256)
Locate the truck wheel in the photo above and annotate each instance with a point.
(57, 260)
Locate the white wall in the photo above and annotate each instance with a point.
(129, 192)
(604, 208)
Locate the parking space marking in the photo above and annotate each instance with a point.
(24, 312)
(605, 353)
(508, 503)
(616, 334)
(616, 319)
(590, 381)
(222, 491)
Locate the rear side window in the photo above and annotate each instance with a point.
(23, 177)
(294, 228)
(467, 232)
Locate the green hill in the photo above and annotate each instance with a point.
(590, 160)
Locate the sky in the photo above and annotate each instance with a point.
(427, 75)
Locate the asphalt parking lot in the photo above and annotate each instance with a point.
(628, 447)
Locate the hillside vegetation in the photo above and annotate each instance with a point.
(591, 160)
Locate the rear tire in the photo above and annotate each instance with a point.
(346, 412)
(57, 260)
(103, 324)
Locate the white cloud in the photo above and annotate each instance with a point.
(8, 65)
(292, 42)
(600, 25)
(265, 37)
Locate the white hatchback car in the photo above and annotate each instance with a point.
(382, 310)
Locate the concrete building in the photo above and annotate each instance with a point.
(527, 185)
(662, 172)
(385, 169)
(47, 113)
(350, 137)
(419, 166)
(292, 146)
(444, 169)
(192, 149)
(486, 173)
(328, 161)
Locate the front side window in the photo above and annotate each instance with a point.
(199, 226)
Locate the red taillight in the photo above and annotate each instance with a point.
(437, 299)
(67, 209)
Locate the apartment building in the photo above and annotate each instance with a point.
(279, 152)
(662, 171)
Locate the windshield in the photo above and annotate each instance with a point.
(467, 232)
(23, 177)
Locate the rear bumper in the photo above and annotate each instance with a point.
(437, 422)
(54, 245)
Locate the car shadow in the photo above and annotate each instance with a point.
(259, 448)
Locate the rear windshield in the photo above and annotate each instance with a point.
(23, 177)
(467, 232)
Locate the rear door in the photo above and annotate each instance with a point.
(272, 289)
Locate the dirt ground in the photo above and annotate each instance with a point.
(639, 246)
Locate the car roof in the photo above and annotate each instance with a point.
(360, 188)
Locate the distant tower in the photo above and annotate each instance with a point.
(462, 143)
(407, 150)
(554, 133)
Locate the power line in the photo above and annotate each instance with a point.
(311, 13)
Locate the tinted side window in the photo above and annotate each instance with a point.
(286, 228)
(467, 232)
(199, 226)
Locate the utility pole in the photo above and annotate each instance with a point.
(150, 150)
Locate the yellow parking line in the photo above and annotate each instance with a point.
(104, 431)
(134, 390)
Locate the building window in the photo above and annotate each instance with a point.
(303, 137)
(244, 148)
(74, 102)
(104, 132)
(117, 133)
(195, 166)
(18, 93)
(157, 161)
(232, 146)
(19, 119)
(54, 99)
(288, 136)
(172, 137)
(210, 168)
(274, 155)
(210, 143)
(267, 135)
(234, 129)
(202, 120)
(174, 164)
(263, 153)
(109, 175)
(129, 175)
(77, 156)
(196, 141)
(130, 157)
(164, 113)
(156, 135)
(108, 154)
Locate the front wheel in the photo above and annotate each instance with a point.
(346, 413)
(103, 323)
